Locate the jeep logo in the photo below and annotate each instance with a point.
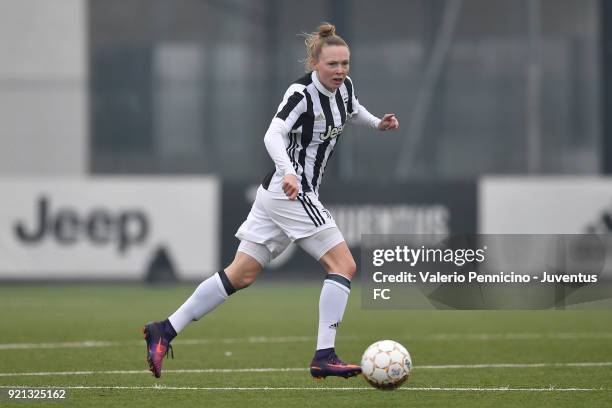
(331, 132)
(100, 226)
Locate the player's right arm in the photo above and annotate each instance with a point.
(289, 110)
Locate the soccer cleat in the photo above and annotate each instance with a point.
(333, 366)
(157, 346)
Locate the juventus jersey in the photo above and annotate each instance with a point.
(312, 120)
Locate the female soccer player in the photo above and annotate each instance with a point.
(300, 141)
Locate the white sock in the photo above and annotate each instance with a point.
(207, 296)
(333, 300)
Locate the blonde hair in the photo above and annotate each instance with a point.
(325, 35)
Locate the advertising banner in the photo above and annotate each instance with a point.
(574, 206)
(408, 208)
(109, 228)
(545, 205)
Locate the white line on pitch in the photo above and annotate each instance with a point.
(306, 339)
(94, 343)
(448, 389)
(67, 344)
(518, 365)
(299, 369)
(186, 371)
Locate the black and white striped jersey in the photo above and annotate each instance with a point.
(311, 120)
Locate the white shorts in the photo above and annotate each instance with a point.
(275, 221)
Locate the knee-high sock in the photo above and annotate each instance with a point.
(207, 296)
(334, 296)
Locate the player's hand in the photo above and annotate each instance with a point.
(290, 186)
(388, 122)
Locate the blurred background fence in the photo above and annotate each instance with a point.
(187, 88)
(480, 86)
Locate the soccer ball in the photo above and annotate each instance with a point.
(386, 364)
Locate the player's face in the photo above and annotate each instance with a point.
(332, 66)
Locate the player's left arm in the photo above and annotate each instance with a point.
(362, 116)
(365, 118)
(388, 122)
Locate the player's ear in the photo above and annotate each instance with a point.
(312, 62)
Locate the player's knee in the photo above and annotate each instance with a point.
(241, 279)
(246, 280)
(243, 271)
(349, 268)
(346, 267)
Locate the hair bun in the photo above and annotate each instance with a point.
(327, 30)
(314, 41)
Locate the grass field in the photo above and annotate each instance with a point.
(253, 351)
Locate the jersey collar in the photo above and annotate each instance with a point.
(320, 86)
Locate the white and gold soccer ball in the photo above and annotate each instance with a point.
(386, 364)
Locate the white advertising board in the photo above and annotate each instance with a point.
(545, 205)
(576, 213)
(108, 227)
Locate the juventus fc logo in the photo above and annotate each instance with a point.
(331, 132)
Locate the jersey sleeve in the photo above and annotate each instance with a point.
(275, 145)
(292, 106)
(287, 114)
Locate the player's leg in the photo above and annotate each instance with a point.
(208, 295)
(340, 267)
(216, 289)
(339, 260)
(261, 240)
(313, 228)
(329, 248)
